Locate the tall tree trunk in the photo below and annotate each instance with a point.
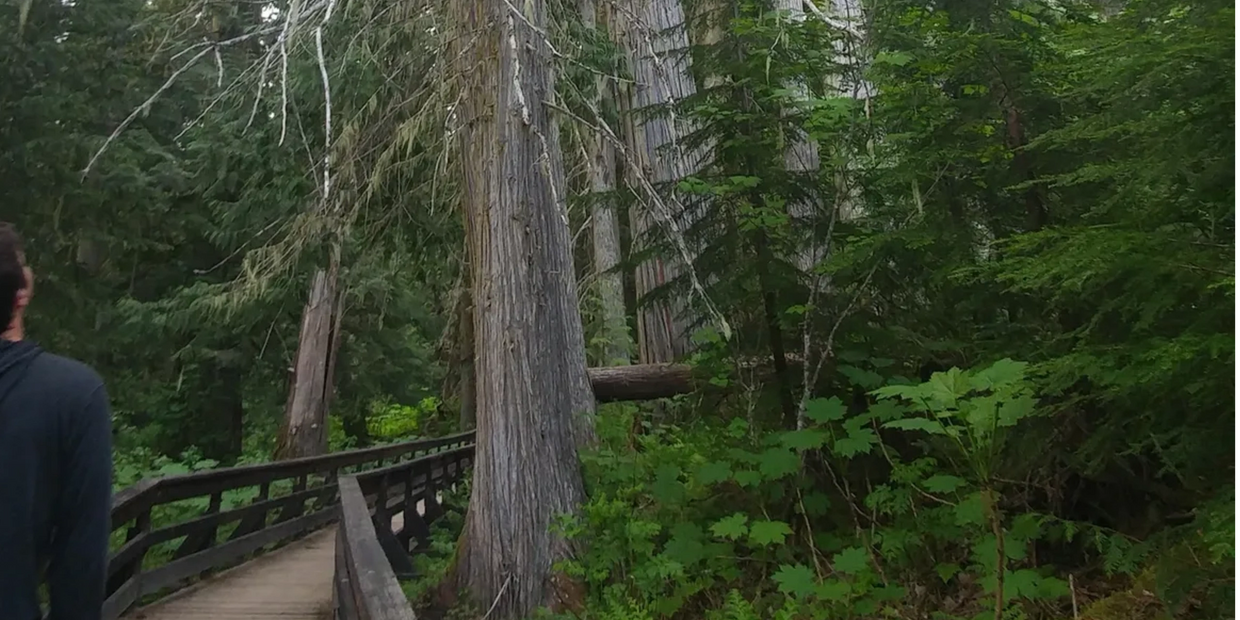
(605, 225)
(230, 385)
(305, 415)
(800, 158)
(653, 33)
(534, 401)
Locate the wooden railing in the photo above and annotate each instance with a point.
(290, 498)
(370, 553)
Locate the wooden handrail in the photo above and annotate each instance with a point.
(311, 503)
(370, 555)
(366, 586)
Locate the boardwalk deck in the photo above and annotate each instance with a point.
(291, 583)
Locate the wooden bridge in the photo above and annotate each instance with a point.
(316, 538)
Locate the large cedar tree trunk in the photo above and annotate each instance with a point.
(534, 402)
(653, 34)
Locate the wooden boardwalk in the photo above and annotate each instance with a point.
(293, 582)
(290, 583)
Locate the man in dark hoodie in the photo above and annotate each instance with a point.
(55, 465)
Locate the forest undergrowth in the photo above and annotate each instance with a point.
(909, 500)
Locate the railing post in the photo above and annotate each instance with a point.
(408, 507)
(294, 508)
(132, 568)
(382, 517)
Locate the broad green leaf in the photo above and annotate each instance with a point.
(824, 410)
(944, 388)
(971, 510)
(738, 427)
(980, 414)
(946, 571)
(1053, 588)
(667, 487)
(1016, 409)
(865, 379)
(779, 462)
(1023, 583)
(908, 392)
(898, 59)
(858, 442)
(732, 527)
(1025, 527)
(804, 439)
(886, 410)
(747, 477)
(763, 533)
(833, 590)
(795, 580)
(714, 472)
(1000, 373)
(943, 483)
(684, 548)
(851, 561)
(933, 427)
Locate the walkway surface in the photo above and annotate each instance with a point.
(293, 582)
(290, 583)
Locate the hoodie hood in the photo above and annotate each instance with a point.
(15, 359)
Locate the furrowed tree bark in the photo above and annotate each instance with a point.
(305, 414)
(465, 349)
(534, 402)
(653, 33)
(605, 226)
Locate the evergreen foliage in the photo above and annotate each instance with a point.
(1014, 390)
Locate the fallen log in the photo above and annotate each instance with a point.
(640, 381)
(651, 381)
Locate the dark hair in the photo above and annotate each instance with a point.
(12, 276)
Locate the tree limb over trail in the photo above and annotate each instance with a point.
(651, 381)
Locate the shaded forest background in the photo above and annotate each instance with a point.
(995, 241)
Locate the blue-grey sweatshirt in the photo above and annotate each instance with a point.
(55, 484)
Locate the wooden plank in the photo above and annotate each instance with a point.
(344, 603)
(173, 573)
(121, 600)
(293, 582)
(379, 593)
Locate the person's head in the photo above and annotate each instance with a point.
(15, 282)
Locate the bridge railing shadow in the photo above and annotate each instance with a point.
(370, 553)
(289, 498)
